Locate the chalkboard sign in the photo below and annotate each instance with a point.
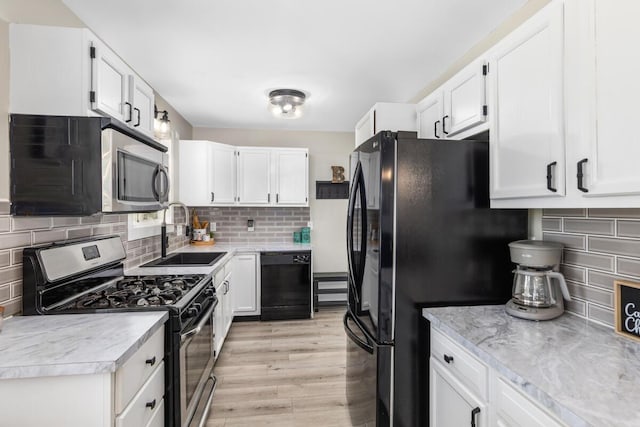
(627, 308)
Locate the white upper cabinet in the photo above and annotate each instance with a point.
(464, 99)
(429, 114)
(143, 102)
(223, 174)
(386, 116)
(527, 146)
(562, 101)
(458, 108)
(214, 174)
(69, 71)
(50, 70)
(110, 84)
(291, 174)
(254, 176)
(607, 144)
(194, 167)
(364, 129)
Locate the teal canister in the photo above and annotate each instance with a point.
(297, 237)
(306, 235)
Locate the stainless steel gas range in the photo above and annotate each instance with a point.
(84, 276)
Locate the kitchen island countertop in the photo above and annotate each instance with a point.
(582, 372)
(73, 344)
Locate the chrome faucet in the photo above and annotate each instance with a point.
(163, 226)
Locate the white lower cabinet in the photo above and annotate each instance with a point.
(223, 315)
(464, 391)
(133, 396)
(452, 404)
(246, 293)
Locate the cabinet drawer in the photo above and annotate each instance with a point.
(146, 403)
(514, 409)
(460, 363)
(136, 370)
(157, 419)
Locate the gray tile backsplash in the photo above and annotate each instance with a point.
(601, 245)
(271, 225)
(16, 233)
(590, 226)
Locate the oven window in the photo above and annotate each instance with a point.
(136, 178)
(198, 352)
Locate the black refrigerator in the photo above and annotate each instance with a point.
(419, 233)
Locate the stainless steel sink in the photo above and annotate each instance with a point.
(191, 259)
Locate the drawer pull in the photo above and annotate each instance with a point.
(474, 412)
(151, 361)
(152, 404)
(448, 358)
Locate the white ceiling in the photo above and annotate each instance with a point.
(216, 60)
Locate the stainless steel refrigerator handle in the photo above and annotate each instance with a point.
(363, 345)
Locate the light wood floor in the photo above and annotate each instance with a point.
(284, 373)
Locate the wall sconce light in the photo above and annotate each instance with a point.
(161, 125)
(286, 103)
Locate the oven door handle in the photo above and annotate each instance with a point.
(203, 321)
(205, 414)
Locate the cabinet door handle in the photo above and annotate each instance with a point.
(151, 361)
(550, 176)
(277, 198)
(268, 197)
(448, 358)
(444, 125)
(151, 404)
(138, 122)
(580, 176)
(130, 112)
(213, 196)
(435, 129)
(475, 411)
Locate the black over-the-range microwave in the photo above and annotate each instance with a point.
(64, 165)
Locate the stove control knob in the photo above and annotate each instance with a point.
(192, 311)
(210, 292)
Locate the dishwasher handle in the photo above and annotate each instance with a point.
(285, 258)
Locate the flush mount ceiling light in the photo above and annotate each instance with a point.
(161, 125)
(286, 103)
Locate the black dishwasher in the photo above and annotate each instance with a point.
(286, 285)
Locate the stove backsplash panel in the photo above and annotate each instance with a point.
(271, 225)
(601, 245)
(16, 233)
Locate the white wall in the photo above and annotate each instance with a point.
(326, 149)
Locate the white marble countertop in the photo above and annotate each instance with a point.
(230, 250)
(584, 373)
(73, 344)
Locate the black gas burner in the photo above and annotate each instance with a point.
(140, 291)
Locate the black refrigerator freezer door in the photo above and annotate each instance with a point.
(368, 377)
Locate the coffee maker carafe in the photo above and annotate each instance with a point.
(535, 281)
